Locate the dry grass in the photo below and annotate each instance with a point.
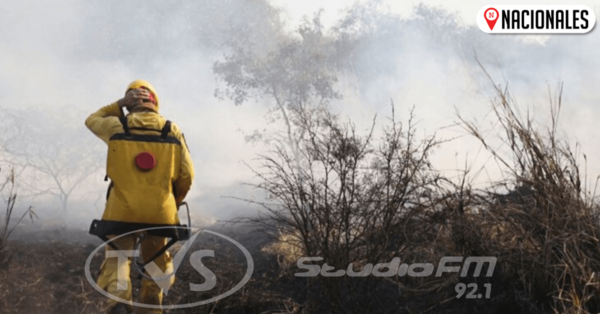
(47, 278)
(287, 249)
(6, 230)
(545, 233)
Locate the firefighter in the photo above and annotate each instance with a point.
(151, 172)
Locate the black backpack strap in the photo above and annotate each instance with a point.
(144, 129)
(123, 120)
(165, 130)
(158, 253)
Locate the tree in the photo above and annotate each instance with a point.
(298, 75)
(51, 151)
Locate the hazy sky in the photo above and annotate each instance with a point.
(467, 10)
(81, 55)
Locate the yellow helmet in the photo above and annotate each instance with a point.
(141, 83)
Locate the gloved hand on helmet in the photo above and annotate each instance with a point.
(138, 99)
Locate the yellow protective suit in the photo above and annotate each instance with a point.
(141, 196)
(150, 293)
(130, 193)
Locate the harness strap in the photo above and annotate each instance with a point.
(165, 130)
(111, 244)
(123, 120)
(159, 252)
(145, 129)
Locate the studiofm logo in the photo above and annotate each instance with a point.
(162, 279)
(536, 19)
(394, 268)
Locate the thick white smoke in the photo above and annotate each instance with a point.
(78, 56)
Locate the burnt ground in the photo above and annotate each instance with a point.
(44, 273)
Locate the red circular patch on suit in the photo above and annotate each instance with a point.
(145, 161)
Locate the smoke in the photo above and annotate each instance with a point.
(429, 61)
(73, 56)
(68, 59)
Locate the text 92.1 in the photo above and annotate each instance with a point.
(462, 288)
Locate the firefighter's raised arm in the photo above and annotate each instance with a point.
(105, 122)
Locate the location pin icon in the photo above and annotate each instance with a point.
(491, 17)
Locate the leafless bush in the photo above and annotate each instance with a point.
(355, 199)
(348, 198)
(545, 232)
